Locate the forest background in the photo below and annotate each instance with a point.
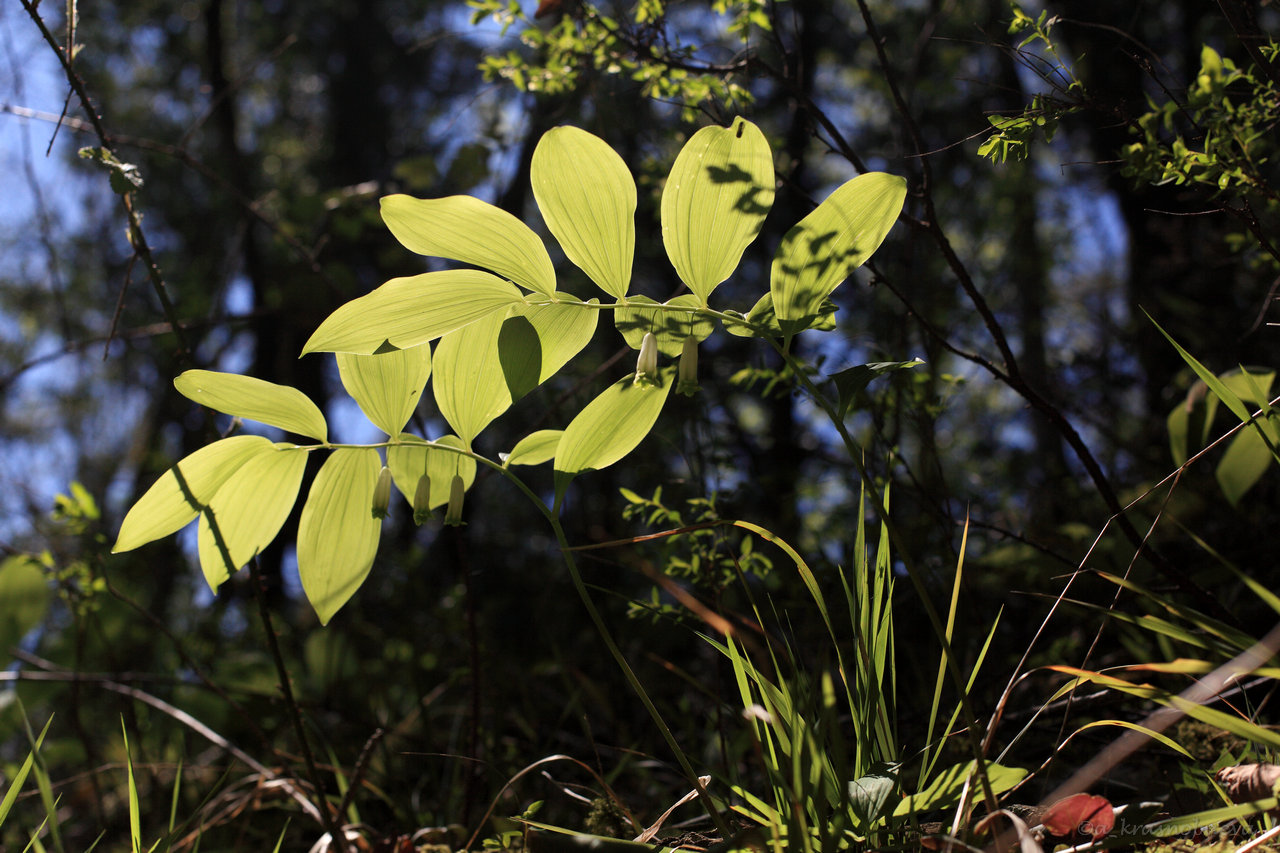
(250, 143)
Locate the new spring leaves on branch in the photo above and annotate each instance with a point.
(501, 328)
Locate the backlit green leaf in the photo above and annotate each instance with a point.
(467, 229)
(535, 448)
(249, 508)
(469, 387)
(387, 385)
(24, 598)
(588, 200)
(1182, 421)
(716, 198)
(762, 317)
(838, 236)
(415, 456)
(338, 533)
(563, 330)
(669, 327)
(406, 312)
(609, 427)
(177, 497)
(255, 400)
(485, 367)
(1194, 416)
(944, 789)
(1246, 460)
(851, 381)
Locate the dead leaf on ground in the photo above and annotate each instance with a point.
(1246, 782)
(1083, 814)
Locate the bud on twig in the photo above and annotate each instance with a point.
(422, 500)
(382, 493)
(457, 491)
(688, 369)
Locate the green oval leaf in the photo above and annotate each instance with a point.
(1195, 414)
(839, 235)
(945, 789)
(715, 200)
(467, 229)
(255, 400)
(1179, 425)
(609, 427)
(337, 533)
(669, 327)
(535, 448)
(588, 200)
(24, 598)
(388, 385)
(470, 388)
(176, 498)
(1246, 460)
(485, 367)
(249, 508)
(563, 330)
(415, 456)
(762, 319)
(852, 381)
(406, 312)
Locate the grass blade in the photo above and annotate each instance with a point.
(20, 778)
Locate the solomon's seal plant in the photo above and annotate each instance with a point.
(484, 337)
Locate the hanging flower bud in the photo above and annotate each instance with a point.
(688, 370)
(457, 491)
(647, 363)
(382, 493)
(422, 500)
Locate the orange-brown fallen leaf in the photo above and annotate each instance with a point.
(1083, 814)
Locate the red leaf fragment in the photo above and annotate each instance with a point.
(1084, 814)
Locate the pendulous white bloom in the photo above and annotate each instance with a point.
(647, 363)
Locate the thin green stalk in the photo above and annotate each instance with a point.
(327, 818)
(567, 555)
(904, 554)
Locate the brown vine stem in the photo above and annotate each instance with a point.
(137, 238)
(1012, 375)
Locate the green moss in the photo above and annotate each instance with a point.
(607, 818)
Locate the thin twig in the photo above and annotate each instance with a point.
(1011, 374)
(183, 156)
(137, 237)
(150, 330)
(327, 819)
(1017, 673)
